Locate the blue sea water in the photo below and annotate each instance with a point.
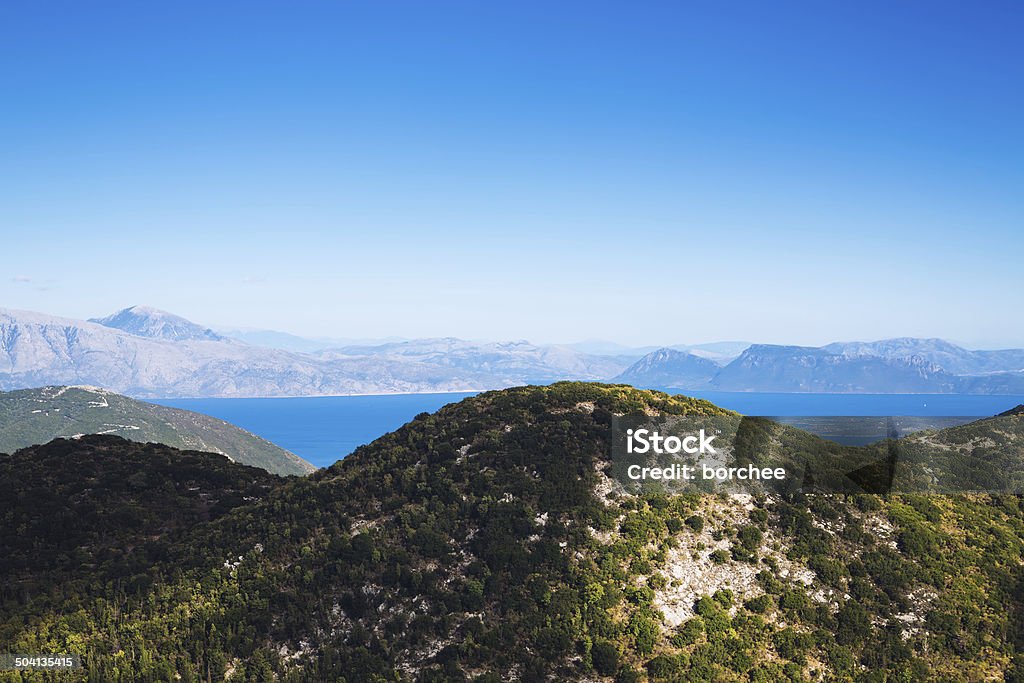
(319, 429)
(324, 429)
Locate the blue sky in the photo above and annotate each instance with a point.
(659, 172)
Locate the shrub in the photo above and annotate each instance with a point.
(604, 657)
(758, 605)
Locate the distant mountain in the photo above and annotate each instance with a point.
(889, 366)
(35, 416)
(506, 362)
(39, 350)
(144, 321)
(273, 339)
(600, 347)
(670, 368)
(159, 355)
(767, 367)
(953, 359)
(143, 352)
(720, 352)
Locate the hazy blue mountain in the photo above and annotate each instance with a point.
(601, 347)
(835, 368)
(670, 368)
(36, 416)
(721, 352)
(507, 362)
(272, 339)
(953, 359)
(164, 356)
(144, 321)
(39, 350)
(767, 367)
(143, 352)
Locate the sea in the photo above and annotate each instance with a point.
(324, 429)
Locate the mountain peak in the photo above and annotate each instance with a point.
(666, 367)
(146, 321)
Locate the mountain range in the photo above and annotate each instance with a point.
(274, 339)
(903, 365)
(144, 352)
(489, 542)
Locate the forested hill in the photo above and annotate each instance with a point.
(35, 416)
(485, 542)
(99, 508)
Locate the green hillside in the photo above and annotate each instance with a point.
(36, 416)
(485, 542)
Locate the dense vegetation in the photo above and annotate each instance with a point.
(97, 508)
(484, 542)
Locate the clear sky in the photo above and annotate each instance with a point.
(643, 172)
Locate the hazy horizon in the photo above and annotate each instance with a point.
(226, 330)
(649, 174)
